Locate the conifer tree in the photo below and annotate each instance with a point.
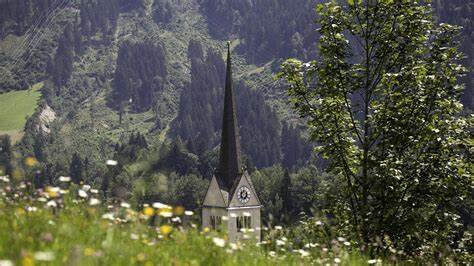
(76, 169)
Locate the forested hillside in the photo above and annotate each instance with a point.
(354, 129)
(142, 82)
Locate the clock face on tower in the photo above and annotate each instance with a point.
(243, 195)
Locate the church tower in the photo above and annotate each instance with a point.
(231, 193)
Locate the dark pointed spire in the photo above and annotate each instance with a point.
(229, 162)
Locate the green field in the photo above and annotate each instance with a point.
(15, 106)
(70, 226)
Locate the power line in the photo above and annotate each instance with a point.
(31, 30)
(39, 34)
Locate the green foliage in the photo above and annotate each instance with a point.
(140, 75)
(459, 12)
(76, 169)
(284, 196)
(383, 104)
(5, 155)
(269, 29)
(199, 119)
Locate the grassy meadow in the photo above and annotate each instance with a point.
(71, 225)
(15, 107)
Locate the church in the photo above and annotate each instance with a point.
(231, 193)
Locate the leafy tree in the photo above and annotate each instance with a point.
(187, 191)
(383, 103)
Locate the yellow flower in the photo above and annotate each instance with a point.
(165, 229)
(28, 261)
(141, 257)
(165, 212)
(31, 161)
(53, 192)
(88, 252)
(19, 211)
(179, 210)
(206, 229)
(148, 211)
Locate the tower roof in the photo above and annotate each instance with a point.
(230, 166)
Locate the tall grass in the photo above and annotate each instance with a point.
(68, 225)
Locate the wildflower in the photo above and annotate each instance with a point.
(341, 239)
(179, 210)
(4, 179)
(235, 246)
(94, 201)
(337, 260)
(148, 211)
(86, 188)
(94, 191)
(52, 192)
(272, 253)
(31, 161)
(82, 193)
(278, 227)
(64, 179)
(319, 223)
(188, 213)
(125, 205)
(218, 241)
(303, 253)
(31, 209)
(88, 252)
(159, 205)
(206, 229)
(44, 256)
(111, 162)
(134, 236)
(166, 213)
(52, 203)
(28, 261)
(6, 263)
(280, 242)
(346, 243)
(141, 257)
(372, 261)
(165, 229)
(176, 220)
(108, 216)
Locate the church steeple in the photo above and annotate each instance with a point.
(229, 161)
(231, 192)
